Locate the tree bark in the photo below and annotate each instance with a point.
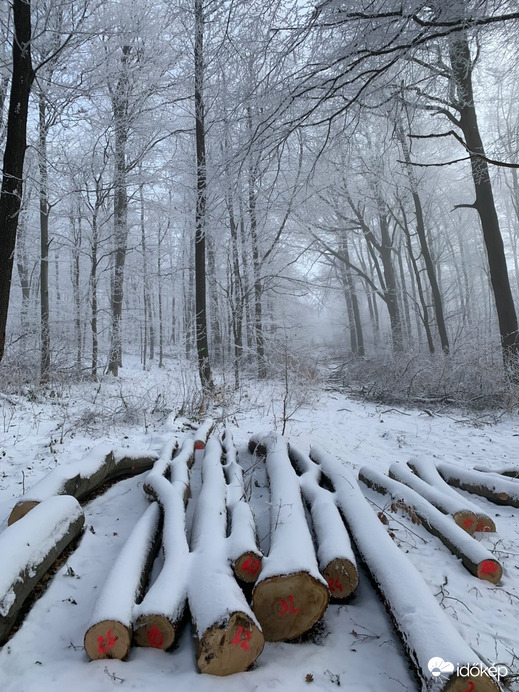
(14, 153)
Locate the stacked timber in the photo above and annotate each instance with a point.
(427, 471)
(335, 555)
(109, 632)
(475, 557)
(29, 548)
(83, 477)
(229, 638)
(411, 604)
(290, 595)
(244, 554)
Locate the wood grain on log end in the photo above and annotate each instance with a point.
(485, 523)
(474, 683)
(466, 520)
(289, 605)
(247, 567)
(490, 570)
(342, 578)
(154, 631)
(21, 509)
(107, 639)
(231, 647)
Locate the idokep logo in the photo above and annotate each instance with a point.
(437, 666)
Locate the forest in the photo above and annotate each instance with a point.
(257, 187)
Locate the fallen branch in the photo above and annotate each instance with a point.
(425, 629)
(28, 550)
(229, 636)
(290, 595)
(81, 478)
(475, 557)
(464, 518)
(334, 552)
(109, 633)
(244, 553)
(428, 472)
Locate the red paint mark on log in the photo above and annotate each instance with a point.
(334, 585)
(242, 637)
(470, 687)
(489, 567)
(285, 608)
(105, 646)
(251, 565)
(467, 523)
(199, 444)
(155, 637)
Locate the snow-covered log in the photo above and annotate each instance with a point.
(203, 433)
(508, 471)
(158, 618)
(244, 554)
(109, 633)
(426, 630)
(500, 491)
(29, 548)
(82, 477)
(174, 464)
(475, 557)
(290, 595)
(229, 636)
(334, 552)
(464, 518)
(427, 471)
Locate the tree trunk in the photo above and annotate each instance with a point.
(461, 63)
(202, 343)
(44, 241)
(14, 153)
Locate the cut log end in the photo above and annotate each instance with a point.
(231, 647)
(466, 520)
(199, 444)
(485, 523)
(107, 639)
(474, 683)
(154, 631)
(21, 509)
(247, 567)
(342, 578)
(287, 606)
(490, 570)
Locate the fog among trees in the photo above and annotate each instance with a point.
(263, 187)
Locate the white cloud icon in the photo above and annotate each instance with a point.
(437, 666)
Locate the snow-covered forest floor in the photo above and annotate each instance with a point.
(355, 646)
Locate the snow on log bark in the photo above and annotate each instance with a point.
(475, 557)
(425, 629)
(174, 464)
(244, 553)
(203, 433)
(80, 478)
(28, 550)
(290, 595)
(334, 552)
(464, 518)
(110, 630)
(427, 471)
(229, 636)
(508, 471)
(158, 618)
(500, 491)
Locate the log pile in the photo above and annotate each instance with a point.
(497, 489)
(290, 595)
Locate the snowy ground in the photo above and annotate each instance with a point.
(355, 646)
